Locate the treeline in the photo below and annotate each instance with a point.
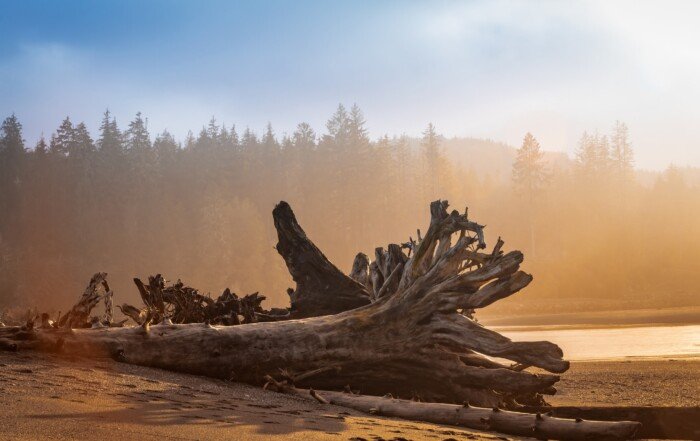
(199, 210)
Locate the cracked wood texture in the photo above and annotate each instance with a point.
(321, 287)
(538, 425)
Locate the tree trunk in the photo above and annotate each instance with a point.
(322, 288)
(412, 341)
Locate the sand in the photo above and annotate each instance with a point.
(44, 397)
(53, 398)
(634, 382)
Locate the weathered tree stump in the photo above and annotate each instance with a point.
(413, 340)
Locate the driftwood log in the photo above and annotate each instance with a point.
(412, 337)
(535, 425)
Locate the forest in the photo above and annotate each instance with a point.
(597, 233)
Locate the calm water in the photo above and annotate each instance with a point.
(588, 344)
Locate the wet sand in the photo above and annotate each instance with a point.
(633, 382)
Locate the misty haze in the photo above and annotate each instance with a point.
(349, 220)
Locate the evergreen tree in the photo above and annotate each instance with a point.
(189, 140)
(41, 148)
(64, 142)
(137, 136)
(593, 157)
(82, 141)
(235, 143)
(165, 144)
(338, 126)
(11, 154)
(269, 142)
(621, 153)
(529, 175)
(249, 141)
(213, 129)
(357, 132)
(11, 141)
(12, 163)
(304, 137)
(110, 141)
(432, 157)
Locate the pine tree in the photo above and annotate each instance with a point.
(82, 141)
(12, 162)
(235, 142)
(137, 137)
(432, 157)
(593, 158)
(357, 132)
(110, 141)
(11, 139)
(165, 145)
(269, 143)
(529, 175)
(213, 129)
(41, 148)
(11, 152)
(304, 137)
(64, 141)
(621, 153)
(189, 140)
(249, 141)
(338, 126)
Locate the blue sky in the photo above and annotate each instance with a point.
(493, 69)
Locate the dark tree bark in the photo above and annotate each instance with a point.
(321, 288)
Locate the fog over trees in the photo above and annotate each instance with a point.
(596, 232)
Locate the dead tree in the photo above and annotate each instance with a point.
(412, 340)
(321, 287)
(78, 316)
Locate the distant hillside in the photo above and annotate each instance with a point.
(488, 158)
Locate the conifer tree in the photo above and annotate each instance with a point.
(529, 177)
(165, 145)
(82, 141)
(431, 156)
(110, 140)
(621, 153)
(64, 141)
(529, 174)
(137, 136)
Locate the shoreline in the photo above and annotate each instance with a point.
(677, 316)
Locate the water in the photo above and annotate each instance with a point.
(591, 344)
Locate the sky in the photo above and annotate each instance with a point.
(488, 69)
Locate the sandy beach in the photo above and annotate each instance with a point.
(44, 397)
(50, 397)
